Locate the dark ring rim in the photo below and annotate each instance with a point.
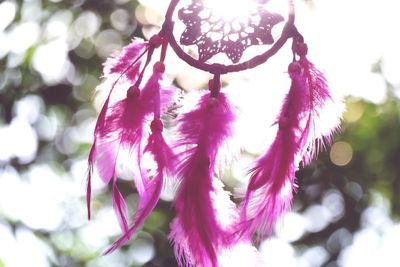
(167, 30)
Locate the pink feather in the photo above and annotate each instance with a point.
(121, 62)
(272, 183)
(197, 233)
(127, 63)
(324, 112)
(93, 151)
(166, 161)
(123, 129)
(269, 192)
(120, 126)
(120, 207)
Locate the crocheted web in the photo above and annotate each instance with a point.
(214, 33)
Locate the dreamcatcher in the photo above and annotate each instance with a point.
(133, 123)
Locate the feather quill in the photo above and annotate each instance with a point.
(120, 207)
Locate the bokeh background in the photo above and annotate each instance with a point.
(346, 212)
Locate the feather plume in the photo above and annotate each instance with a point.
(323, 113)
(120, 207)
(197, 233)
(123, 129)
(272, 182)
(120, 126)
(166, 161)
(271, 185)
(123, 62)
(127, 63)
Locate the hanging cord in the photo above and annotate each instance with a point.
(158, 67)
(214, 85)
(155, 42)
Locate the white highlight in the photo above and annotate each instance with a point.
(8, 10)
(230, 10)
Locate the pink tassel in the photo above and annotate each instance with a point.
(197, 234)
(127, 62)
(271, 187)
(124, 124)
(122, 128)
(300, 137)
(121, 62)
(157, 147)
(166, 160)
(324, 110)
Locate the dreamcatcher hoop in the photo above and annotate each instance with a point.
(167, 31)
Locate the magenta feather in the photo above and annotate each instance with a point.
(127, 63)
(123, 127)
(121, 62)
(166, 161)
(269, 192)
(324, 112)
(93, 151)
(120, 207)
(197, 233)
(124, 130)
(120, 126)
(272, 182)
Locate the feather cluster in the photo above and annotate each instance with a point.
(165, 159)
(208, 225)
(197, 232)
(272, 181)
(301, 134)
(124, 67)
(120, 127)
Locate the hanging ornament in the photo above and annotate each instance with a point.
(207, 222)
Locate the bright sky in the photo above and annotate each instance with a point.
(347, 36)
